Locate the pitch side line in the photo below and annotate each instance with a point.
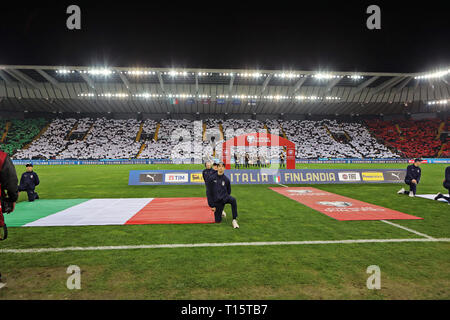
(225, 244)
(407, 229)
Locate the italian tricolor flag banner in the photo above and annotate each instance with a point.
(96, 212)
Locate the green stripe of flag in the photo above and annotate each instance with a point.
(27, 212)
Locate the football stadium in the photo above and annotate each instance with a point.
(315, 160)
(224, 160)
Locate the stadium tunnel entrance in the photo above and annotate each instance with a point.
(259, 139)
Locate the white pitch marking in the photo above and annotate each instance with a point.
(2, 285)
(283, 185)
(225, 244)
(407, 229)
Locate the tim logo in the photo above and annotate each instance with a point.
(176, 177)
(338, 204)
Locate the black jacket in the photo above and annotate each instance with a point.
(220, 186)
(447, 175)
(413, 172)
(8, 180)
(29, 180)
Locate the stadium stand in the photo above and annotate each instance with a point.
(20, 133)
(318, 139)
(102, 138)
(411, 138)
(50, 143)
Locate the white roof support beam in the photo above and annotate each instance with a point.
(298, 85)
(332, 84)
(364, 84)
(161, 82)
(196, 83)
(26, 80)
(266, 82)
(88, 80)
(230, 87)
(387, 84)
(124, 80)
(403, 84)
(49, 78)
(7, 79)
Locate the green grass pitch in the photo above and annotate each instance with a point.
(330, 271)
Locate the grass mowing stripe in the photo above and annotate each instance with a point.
(225, 244)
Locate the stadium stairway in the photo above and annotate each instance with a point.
(138, 136)
(440, 129)
(89, 131)
(143, 146)
(75, 126)
(282, 131)
(204, 131)
(329, 132)
(155, 136)
(5, 133)
(221, 131)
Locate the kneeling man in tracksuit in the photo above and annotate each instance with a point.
(28, 182)
(413, 174)
(446, 185)
(221, 193)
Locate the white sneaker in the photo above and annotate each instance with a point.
(402, 190)
(411, 194)
(224, 215)
(235, 224)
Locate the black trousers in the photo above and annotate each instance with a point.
(412, 187)
(221, 204)
(32, 195)
(447, 186)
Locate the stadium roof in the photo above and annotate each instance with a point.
(218, 91)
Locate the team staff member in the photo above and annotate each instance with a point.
(28, 182)
(206, 172)
(446, 185)
(9, 193)
(236, 161)
(221, 191)
(282, 160)
(413, 174)
(247, 159)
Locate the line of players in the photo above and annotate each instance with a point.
(412, 179)
(246, 160)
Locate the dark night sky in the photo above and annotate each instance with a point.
(307, 35)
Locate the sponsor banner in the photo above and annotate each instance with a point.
(339, 207)
(150, 178)
(268, 176)
(192, 161)
(349, 176)
(176, 177)
(197, 177)
(394, 175)
(372, 176)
